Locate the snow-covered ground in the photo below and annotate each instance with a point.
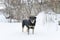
(43, 31)
(2, 18)
(13, 31)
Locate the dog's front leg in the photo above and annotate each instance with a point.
(28, 31)
(32, 31)
(22, 29)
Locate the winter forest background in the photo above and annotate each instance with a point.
(22, 9)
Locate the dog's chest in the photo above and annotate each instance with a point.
(31, 27)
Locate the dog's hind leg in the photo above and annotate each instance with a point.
(22, 26)
(28, 30)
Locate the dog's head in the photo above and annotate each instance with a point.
(32, 19)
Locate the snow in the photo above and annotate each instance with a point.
(43, 30)
(2, 18)
(2, 6)
(51, 16)
(13, 31)
(41, 18)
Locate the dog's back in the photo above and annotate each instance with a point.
(30, 22)
(25, 22)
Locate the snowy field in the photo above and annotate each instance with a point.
(13, 31)
(43, 30)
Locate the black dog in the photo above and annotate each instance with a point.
(30, 23)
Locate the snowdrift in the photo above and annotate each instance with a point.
(2, 18)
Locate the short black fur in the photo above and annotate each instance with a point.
(30, 22)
